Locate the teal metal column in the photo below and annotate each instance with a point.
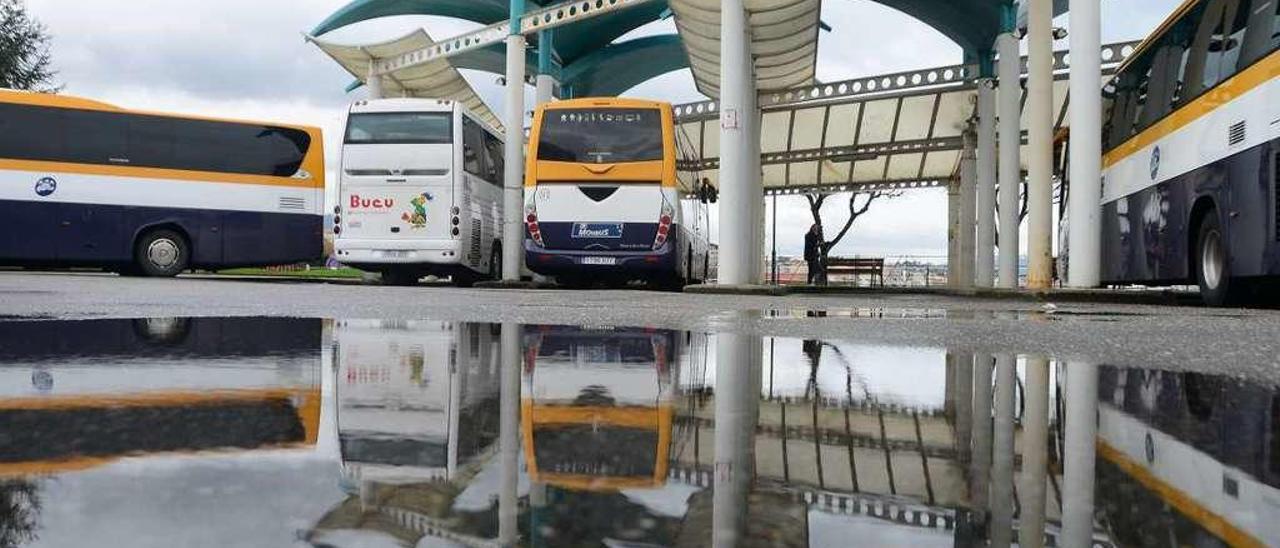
(546, 82)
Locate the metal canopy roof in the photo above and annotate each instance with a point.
(586, 59)
(896, 131)
(436, 79)
(784, 41)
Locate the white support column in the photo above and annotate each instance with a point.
(1006, 380)
(1040, 145)
(739, 360)
(980, 465)
(1010, 114)
(545, 89)
(985, 265)
(513, 179)
(968, 211)
(1080, 450)
(953, 234)
(740, 184)
(1035, 454)
(509, 435)
(374, 83)
(1084, 239)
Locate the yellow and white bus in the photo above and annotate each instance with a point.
(88, 184)
(598, 405)
(1191, 159)
(80, 394)
(602, 198)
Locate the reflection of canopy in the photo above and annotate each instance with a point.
(435, 80)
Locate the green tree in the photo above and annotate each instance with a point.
(25, 62)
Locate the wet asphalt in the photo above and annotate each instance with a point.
(1237, 342)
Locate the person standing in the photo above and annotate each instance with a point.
(813, 253)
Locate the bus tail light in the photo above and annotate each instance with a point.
(531, 224)
(664, 224)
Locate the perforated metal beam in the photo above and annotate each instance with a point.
(541, 19)
(944, 78)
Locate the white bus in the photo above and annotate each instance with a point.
(417, 400)
(420, 192)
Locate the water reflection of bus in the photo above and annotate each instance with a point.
(416, 399)
(1188, 457)
(79, 394)
(597, 406)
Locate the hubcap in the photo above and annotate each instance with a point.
(163, 253)
(1211, 260)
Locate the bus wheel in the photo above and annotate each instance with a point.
(162, 253)
(688, 268)
(1213, 269)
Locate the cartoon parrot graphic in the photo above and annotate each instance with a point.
(419, 216)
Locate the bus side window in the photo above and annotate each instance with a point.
(497, 162)
(31, 133)
(472, 159)
(96, 137)
(1258, 39)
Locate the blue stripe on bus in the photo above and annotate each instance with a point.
(91, 235)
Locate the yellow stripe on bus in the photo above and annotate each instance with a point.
(316, 180)
(1187, 506)
(1247, 80)
(160, 399)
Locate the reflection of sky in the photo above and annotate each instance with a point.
(832, 530)
(909, 376)
(261, 499)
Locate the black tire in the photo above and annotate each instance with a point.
(1212, 263)
(400, 277)
(161, 253)
(575, 282)
(464, 279)
(688, 267)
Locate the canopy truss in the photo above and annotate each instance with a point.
(886, 132)
(784, 41)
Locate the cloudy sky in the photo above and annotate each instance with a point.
(247, 59)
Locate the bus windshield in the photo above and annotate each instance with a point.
(601, 136)
(400, 128)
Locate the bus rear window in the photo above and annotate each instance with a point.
(400, 128)
(601, 136)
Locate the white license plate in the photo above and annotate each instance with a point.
(605, 261)
(394, 254)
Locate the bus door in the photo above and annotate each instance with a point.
(397, 176)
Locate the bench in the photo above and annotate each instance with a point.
(874, 268)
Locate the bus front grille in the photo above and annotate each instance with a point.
(476, 246)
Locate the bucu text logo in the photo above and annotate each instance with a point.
(358, 202)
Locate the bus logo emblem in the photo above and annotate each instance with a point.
(1155, 163)
(46, 186)
(611, 231)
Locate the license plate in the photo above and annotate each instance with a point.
(597, 230)
(604, 261)
(393, 254)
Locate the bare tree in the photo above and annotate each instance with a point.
(816, 201)
(25, 62)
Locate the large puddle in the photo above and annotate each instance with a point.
(367, 433)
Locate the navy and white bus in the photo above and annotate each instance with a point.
(1191, 159)
(86, 184)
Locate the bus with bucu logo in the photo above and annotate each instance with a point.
(420, 192)
(603, 202)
